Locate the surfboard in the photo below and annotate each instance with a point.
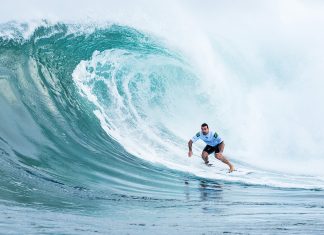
(236, 172)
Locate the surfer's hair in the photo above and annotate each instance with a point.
(204, 124)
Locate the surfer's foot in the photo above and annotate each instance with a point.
(231, 169)
(206, 162)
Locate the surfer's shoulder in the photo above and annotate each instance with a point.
(215, 134)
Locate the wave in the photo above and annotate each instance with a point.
(107, 108)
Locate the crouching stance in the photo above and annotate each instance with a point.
(214, 144)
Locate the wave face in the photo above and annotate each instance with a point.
(51, 134)
(107, 110)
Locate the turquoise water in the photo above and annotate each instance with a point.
(91, 141)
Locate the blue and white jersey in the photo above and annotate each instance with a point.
(212, 138)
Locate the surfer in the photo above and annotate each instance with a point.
(214, 144)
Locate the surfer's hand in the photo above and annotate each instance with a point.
(189, 153)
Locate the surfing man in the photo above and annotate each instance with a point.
(214, 144)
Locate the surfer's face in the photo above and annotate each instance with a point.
(204, 130)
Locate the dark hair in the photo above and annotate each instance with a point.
(204, 124)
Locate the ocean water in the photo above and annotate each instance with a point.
(95, 119)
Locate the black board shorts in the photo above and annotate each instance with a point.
(210, 149)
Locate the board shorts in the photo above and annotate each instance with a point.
(210, 149)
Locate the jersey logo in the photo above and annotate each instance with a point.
(215, 135)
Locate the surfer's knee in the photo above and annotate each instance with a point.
(204, 154)
(219, 157)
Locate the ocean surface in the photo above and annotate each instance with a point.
(94, 125)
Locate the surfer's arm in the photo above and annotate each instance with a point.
(190, 148)
(192, 140)
(190, 145)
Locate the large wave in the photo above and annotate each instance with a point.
(112, 108)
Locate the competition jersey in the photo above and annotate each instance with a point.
(212, 138)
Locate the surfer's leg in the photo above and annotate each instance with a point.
(204, 156)
(222, 158)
